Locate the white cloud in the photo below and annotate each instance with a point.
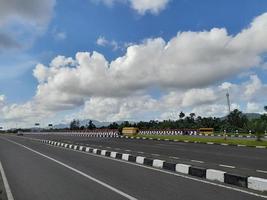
(253, 86)
(112, 109)
(198, 97)
(186, 68)
(152, 6)
(189, 60)
(60, 36)
(141, 6)
(102, 41)
(2, 100)
(214, 110)
(253, 107)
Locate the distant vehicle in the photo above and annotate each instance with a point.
(206, 130)
(130, 131)
(19, 133)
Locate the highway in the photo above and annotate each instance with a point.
(241, 160)
(38, 171)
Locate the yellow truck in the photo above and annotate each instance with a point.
(130, 131)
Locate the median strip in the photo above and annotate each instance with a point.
(190, 139)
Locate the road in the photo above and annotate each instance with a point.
(37, 171)
(241, 160)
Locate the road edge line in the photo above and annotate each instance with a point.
(6, 185)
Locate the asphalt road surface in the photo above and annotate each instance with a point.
(38, 171)
(242, 160)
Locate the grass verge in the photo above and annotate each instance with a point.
(229, 141)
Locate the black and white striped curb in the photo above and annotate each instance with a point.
(81, 134)
(188, 141)
(254, 183)
(191, 133)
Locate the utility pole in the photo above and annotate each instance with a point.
(228, 102)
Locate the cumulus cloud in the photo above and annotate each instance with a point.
(189, 60)
(2, 100)
(113, 109)
(22, 113)
(198, 96)
(187, 67)
(253, 107)
(141, 6)
(254, 85)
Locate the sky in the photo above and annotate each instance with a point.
(113, 60)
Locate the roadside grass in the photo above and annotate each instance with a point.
(205, 140)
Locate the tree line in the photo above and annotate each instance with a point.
(235, 121)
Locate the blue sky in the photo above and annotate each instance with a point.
(67, 27)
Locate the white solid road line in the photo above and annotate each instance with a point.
(78, 172)
(227, 166)
(171, 173)
(6, 185)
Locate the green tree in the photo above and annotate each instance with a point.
(258, 127)
(114, 125)
(192, 115)
(181, 115)
(74, 124)
(237, 119)
(91, 125)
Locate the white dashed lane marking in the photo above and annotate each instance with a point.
(227, 166)
(197, 161)
(261, 171)
(174, 157)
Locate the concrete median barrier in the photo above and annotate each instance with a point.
(215, 175)
(259, 184)
(182, 168)
(158, 163)
(113, 154)
(140, 159)
(197, 171)
(169, 166)
(234, 179)
(125, 156)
